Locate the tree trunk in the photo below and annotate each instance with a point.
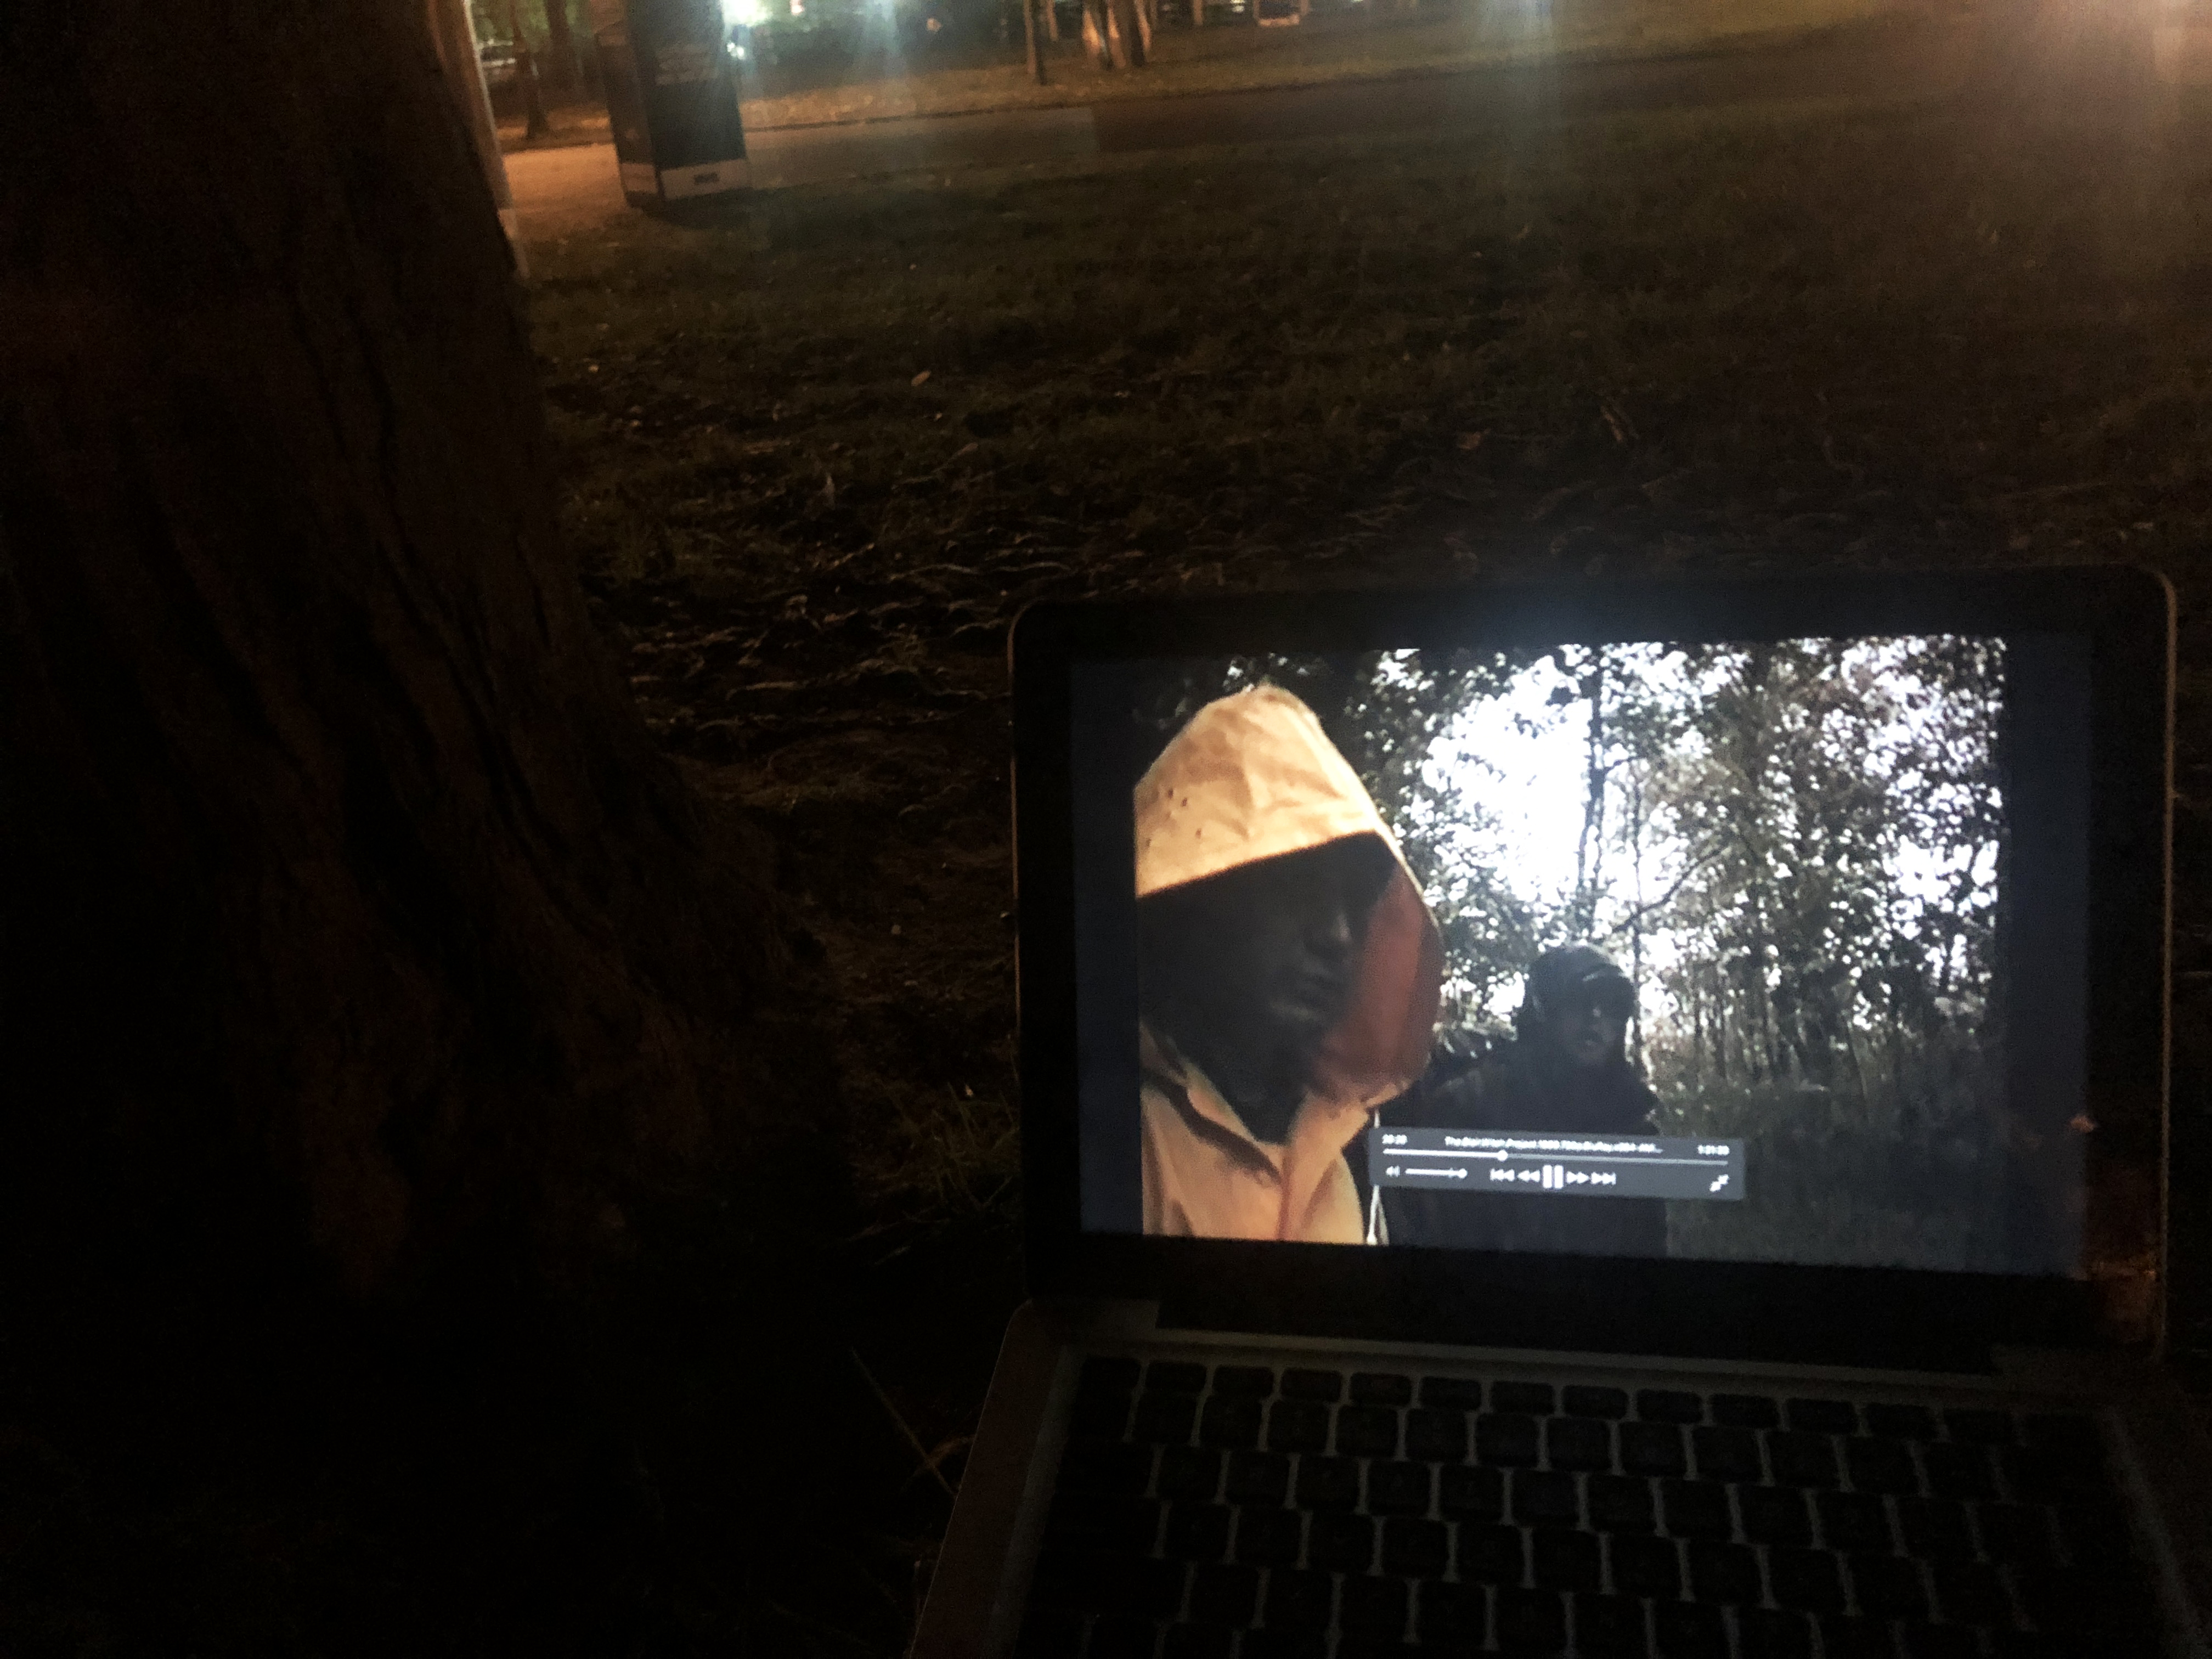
(564, 77)
(526, 71)
(1051, 20)
(347, 891)
(1029, 41)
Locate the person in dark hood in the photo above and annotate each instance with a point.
(1564, 1070)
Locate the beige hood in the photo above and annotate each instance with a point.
(1253, 776)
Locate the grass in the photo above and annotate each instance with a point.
(816, 453)
(1349, 43)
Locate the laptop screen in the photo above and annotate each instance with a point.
(1760, 952)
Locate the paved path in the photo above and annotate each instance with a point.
(560, 191)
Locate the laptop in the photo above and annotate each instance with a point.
(1608, 1119)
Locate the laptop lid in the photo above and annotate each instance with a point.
(1856, 883)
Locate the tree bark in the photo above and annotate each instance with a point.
(349, 901)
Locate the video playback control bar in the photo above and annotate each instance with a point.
(1566, 1166)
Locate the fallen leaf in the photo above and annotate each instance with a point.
(965, 449)
(920, 378)
(1470, 440)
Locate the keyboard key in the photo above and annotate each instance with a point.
(1189, 1472)
(1098, 1417)
(1099, 1465)
(1775, 1515)
(1566, 1560)
(1723, 1572)
(1097, 1521)
(1135, 1586)
(1855, 1639)
(1453, 1615)
(1366, 1431)
(1415, 1549)
(1882, 1466)
(1471, 1494)
(1197, 1641)
(1230, 1423)
(1224, 1595)
(1243, 1382)
(1695, 1509)
(1727, 1454)
(1608, 1628)
(1197, 1532)
(1746, 1411)
(1578, 1442)
(1436, 1437)
(1958, 1471)
(1531, 1622)
(1299, 1426)
(1533, 1399)
(1969, 1593)
(1048, 1633)
(1645, 1567)
(1117, 1637)
(1822, 1416)
(1900, 1422)
(1269, 1537)
(1668, 1405)
(1506, 1440)
(1462, 1393)
(1765, 1634)
(1620, 1503)
(1652, 1448)
(1174, 1377)
(2015, 1532)
(1492, 1555)
(1257, 1478)
(1165, 1419)
(1397, 1488)
(1888, 1587)
(1381, 1388)
(1109, 1374)
(1979, 1428)
(1546, 1499)
(1925, 1641)
(1685, 1630)
(1934, 1529)
(1801, 1460)
(1326, 1386)
(1807, 1580)
(1341, 1543)
(1301, 1600)
(1328, 1483)
(1853, 1524)
(1373, 1607)
(1582, 1400)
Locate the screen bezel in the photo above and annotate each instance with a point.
(1892, 1317)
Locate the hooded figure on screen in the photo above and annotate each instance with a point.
(1564, 1070)
(1288, 974)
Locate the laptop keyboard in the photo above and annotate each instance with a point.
(1245, 1512)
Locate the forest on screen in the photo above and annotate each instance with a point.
(1794, 849)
